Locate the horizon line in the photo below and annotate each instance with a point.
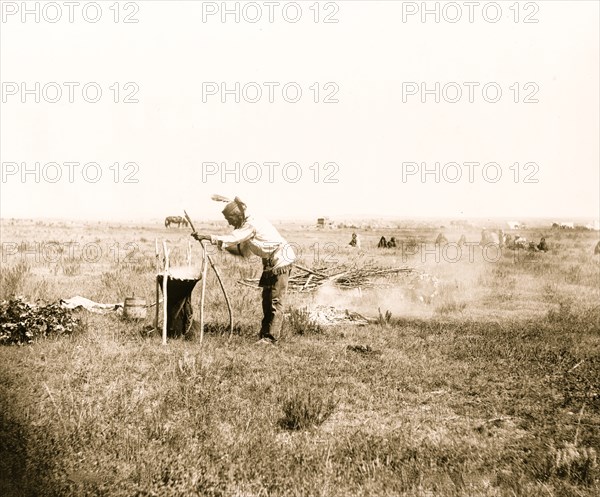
(332, 218)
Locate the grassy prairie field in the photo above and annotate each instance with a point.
(490, 388)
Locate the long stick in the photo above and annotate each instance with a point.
(204, 271)
(302, 268)
(307, 281)
(165, 279)
(156, 284)
(202, 290)
(229, 310)
(241, 282)
(189, 220)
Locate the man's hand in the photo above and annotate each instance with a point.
(200, 237)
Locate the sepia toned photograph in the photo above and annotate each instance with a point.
(299, 248)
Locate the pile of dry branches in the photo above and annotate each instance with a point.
(306, 280)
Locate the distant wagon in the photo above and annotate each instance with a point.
(323, 222)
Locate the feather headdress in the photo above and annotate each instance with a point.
(220, 198)
(236, 202)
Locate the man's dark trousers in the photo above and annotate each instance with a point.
(273, 295)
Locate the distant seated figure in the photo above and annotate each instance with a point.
(382, 242)
(462, 240)
(392, 242)
(543, 246)
(441, 239)
(532, 247)
(489, 237)
(520, 242)
(508, 241)
(355, 242)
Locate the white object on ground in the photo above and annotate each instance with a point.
(89, 305)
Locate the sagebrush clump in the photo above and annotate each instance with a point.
(21, 322)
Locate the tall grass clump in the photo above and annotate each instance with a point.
(12, 279)
(575, 464)
(71, 266)
(304, 409)
(576, 317)
(384, 319)
(301, 323)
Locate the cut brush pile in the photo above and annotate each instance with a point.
(342, 276)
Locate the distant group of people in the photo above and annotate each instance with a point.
(383, 243)
(513, 243)
(520, 242)
(499, 238)
(516, 242)
(487, 237)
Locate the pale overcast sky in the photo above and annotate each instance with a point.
(374, 141)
